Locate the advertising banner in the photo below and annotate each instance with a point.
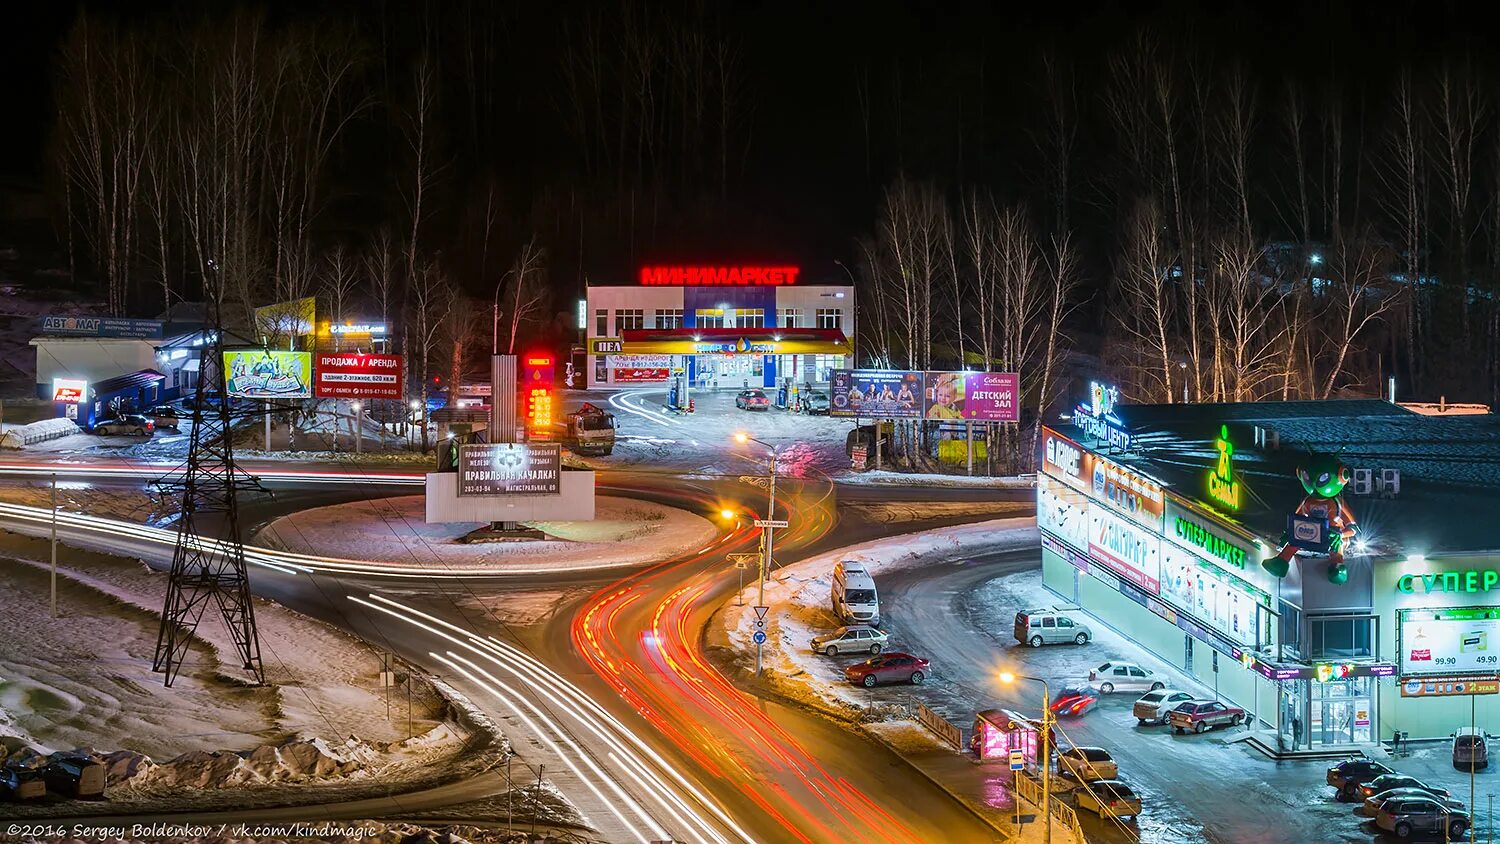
(877, 393)
(268, 374)
(352, 376)
(1207, 539)
(1133, 552)
(1064, 459)
(945, 395)
(1062, 511)
(69, 390)
(992, 396)
(1216, 597)
(1449, 686)
(510, 469)
(1448, 640)
(637, 375)
(1140, 499)
(77, 326)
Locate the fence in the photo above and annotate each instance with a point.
(944, 728)
(1030, 789)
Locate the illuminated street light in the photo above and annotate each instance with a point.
(741, 437)
(1007, 677)
(1046, 760)
(726, 515)
(769, 531)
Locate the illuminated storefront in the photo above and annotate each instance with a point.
(717, 327)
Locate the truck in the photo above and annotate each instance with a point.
(590, 431)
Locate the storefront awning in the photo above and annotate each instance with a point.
(731, 341)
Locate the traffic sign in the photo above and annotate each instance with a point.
(741, 560)
(760, 637)
(770, 523)
(739, 564)
(1017, 759)
(760, 612)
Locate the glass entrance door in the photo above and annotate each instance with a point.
(1342, 712)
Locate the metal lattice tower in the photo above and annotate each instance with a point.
(209, 568)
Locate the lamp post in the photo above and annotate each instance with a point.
(769, 532)
(358, 434)
(1046, 761)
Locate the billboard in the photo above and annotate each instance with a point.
(877, 393)
(639, 375)
(1448, 640)
(287, 319)
(78, 326)
(1062, 458)
(268, 374)
(1131, 551)
(1062, 511)
(69, 390)
(944, 395)
(344, 375)
(1140, 499)
(992, 396)
(510, 469)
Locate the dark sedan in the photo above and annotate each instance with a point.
(1386, 782)
(887, 668)
(815, 403)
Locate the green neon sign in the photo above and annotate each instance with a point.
(1473, 580)
(1209, 542)
(1222, 487)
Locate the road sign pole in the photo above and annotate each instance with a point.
(54, 545)
(765, 559)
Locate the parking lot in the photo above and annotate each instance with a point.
(1204, 787)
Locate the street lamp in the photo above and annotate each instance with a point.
(1008, 678)
(726, 515)
(358, 434)
(769, 532)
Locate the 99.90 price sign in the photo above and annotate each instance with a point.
(1449, 640)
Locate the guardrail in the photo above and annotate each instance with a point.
(942, 727)
(1030, 789)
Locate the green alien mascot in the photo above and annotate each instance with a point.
(1323, 476)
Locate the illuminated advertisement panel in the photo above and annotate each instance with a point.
(1448, 640)
(1130, 550)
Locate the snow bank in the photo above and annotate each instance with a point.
(799, 598)
(889, 478)
(393, 530)
(22, 436)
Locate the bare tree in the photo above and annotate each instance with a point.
(1360, 292)
(1144, 296)
(381, 267)
(527, 296)
(432, 301)
(339, 281)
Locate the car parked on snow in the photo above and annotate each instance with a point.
(1386, 782)
(1347, 776)
(1471, 749)
(1114, 677)
(166, 416)
(1200, 715)
(815, 403)
(1087, 764)
(852, 639)
(1412, 815)
(1110, 799)
(893, 667)
(752, 400)
(1045, 627)
(1153, 707)
(1372, 804)
(128, 423)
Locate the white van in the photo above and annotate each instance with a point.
(854, 598)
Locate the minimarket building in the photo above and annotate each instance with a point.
(1156, 519)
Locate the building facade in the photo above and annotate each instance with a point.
(717, 327)
(1158, 519)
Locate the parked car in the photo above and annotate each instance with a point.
(1114, 677)
(83, 778)
(887, 668)
(1200, 715)
(1347, 776)
(1044, 627)
(129, 423)
(1371, 807)
(1386, 782)
(1153, 707)
(1110, 799)
(1471, 749)
(1422, 814)
(166, 416)
(851, 639)
(1075, 700)
(815, 403)
(1087, 764)
(752, 400)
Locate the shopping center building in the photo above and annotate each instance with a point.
(717, 327)
(1156, 520)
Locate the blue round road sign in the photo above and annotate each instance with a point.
(760, 637)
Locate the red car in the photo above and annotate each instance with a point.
(887, 668)
(752, 400)
(1075, 700)
(1199, 715)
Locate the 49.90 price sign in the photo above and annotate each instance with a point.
(1449, 640)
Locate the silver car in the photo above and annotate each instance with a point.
(851, 639)
(1153, 706)
(1046, 627)
(1114, 677)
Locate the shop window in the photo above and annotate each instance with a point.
(829, 317)
(750, 318)
(791, 317)
(708, 318)
(601, 323)
(1291, 630)
(669, 318)
(1341, 637)
(630, 319)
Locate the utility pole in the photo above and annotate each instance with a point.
(1046, 764)
(358, 434)
(54, 545)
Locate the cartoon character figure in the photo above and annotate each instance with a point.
(1323, 476)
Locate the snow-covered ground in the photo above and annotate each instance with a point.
(799, 598)
(886, 477)
(625, 533)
